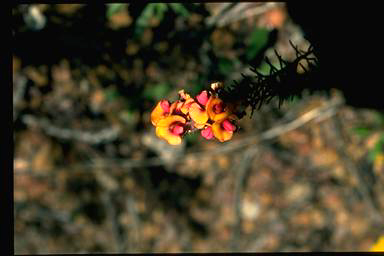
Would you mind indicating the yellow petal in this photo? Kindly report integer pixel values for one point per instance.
(198, 114)
(158, 113)
(165, 133)
(199, 126)
(167, 121)
(220, 133)
(186, 105)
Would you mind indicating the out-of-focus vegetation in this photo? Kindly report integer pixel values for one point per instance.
(91, 176)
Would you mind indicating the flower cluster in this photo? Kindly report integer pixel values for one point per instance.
(206, 112)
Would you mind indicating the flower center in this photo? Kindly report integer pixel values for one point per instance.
(218, 108)
(176, 129)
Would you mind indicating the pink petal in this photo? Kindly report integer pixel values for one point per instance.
(228, 126)
(207, 133)
(165, 105)
(202, 98)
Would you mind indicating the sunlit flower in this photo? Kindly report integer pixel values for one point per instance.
(205, 112)
(216, 109)
(223, 129)
(171, 129)
(161, 110)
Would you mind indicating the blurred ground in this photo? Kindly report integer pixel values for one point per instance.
(91, 176)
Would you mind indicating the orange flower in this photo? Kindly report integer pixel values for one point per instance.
(198, 114)
(161, 110)
(223, 129)
(171, 129)
(216, 109)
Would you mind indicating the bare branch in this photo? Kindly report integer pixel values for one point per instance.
(105, 135)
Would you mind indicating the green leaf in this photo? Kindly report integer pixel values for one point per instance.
(147, 13)
(113, 9)
(362, 131)
(259, 39)
(179, 9)
(157, 92)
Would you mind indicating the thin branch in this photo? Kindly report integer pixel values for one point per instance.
(104, 135)
(112, 218)
(242, 171)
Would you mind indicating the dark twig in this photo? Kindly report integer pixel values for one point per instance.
(283, 82)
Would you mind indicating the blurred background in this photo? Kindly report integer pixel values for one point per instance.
(91, 176)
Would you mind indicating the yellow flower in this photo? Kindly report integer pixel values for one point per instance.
(216, 109)
(171, 129)
(161, 110)
(379, 245)
(223, 129)
(198, 114)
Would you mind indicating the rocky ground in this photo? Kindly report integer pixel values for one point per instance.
(91, 176)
